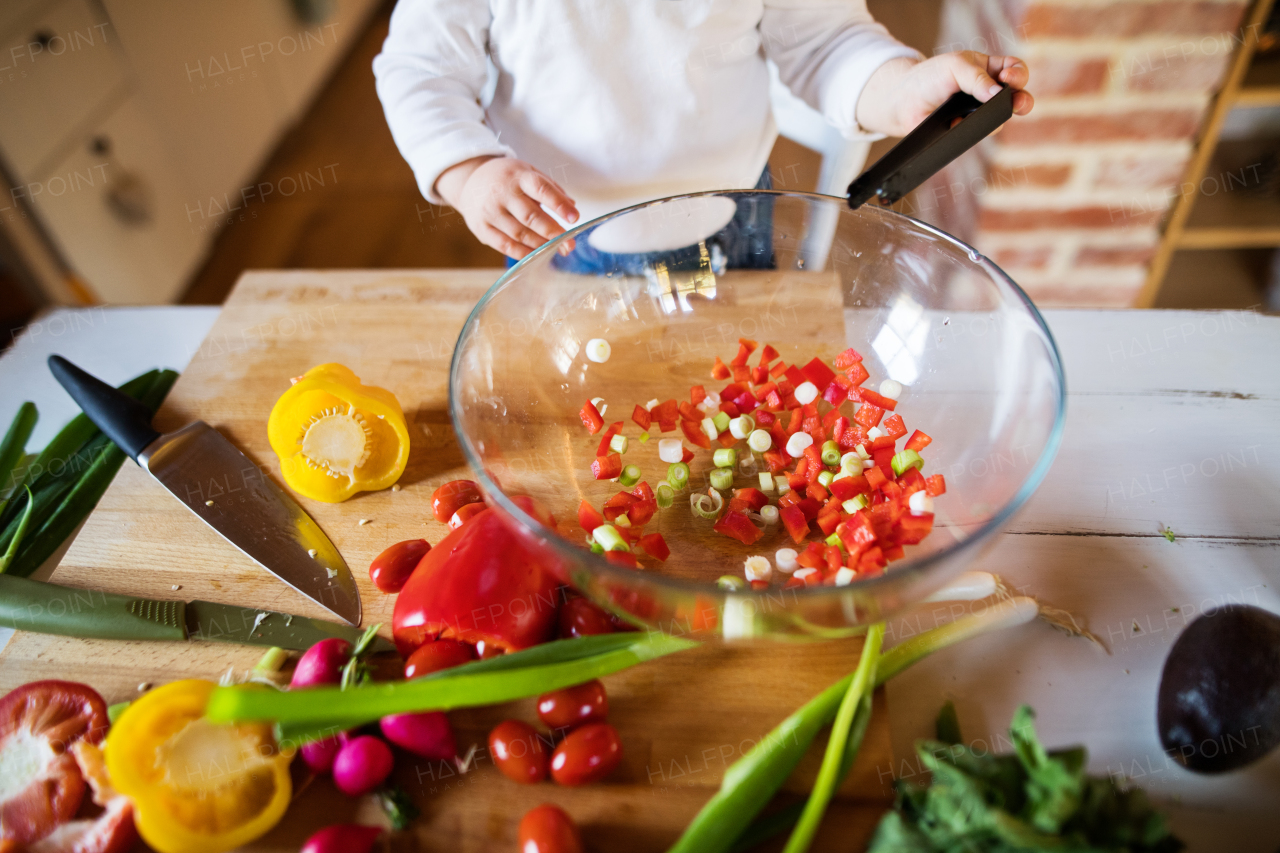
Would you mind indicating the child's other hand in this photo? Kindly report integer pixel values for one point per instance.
(902, 92)
(499, 198)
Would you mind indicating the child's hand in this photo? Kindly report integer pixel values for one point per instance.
(902, 92)
(499, 198)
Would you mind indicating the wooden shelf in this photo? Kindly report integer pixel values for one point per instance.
(1209, 279)
(1261, 85)
(1233, 208)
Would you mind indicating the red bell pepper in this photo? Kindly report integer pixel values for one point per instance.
(688, 412)
(866, 395)
(745, 348)
(828, 522)
(644, 492)
(591, 418)
(614, 429)
(641, 512)
(697, 394)
(893, 427)
(883, 457)
(875, 477)
(694, 432)
(39, 721)
(622, 558)
(655, 546)
(730, 408)
(618, 505)
(833, 558)
(737, 526)
(754, 498)
(641, 416)
(483, 583)
(918, 441)
(935, 485)
(868, 415)
(817, 372)
(776, 460)
(850, 487)
(857, 375)
(742, 374)
(912, 529)
(778, 369)
(667, 414)
(719, 370)
(606, 467)
(810, 507)
(686, 455)
(847, 359)
(794, 521)
(588, 518)
(884, 442)
(911, 481)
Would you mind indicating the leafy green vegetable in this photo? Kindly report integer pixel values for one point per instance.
(1167, 533)
(948, 725)
(12, 446)
(16, 542)
(1030, 800)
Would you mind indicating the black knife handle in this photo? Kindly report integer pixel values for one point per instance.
(933, 144)
(126, 421)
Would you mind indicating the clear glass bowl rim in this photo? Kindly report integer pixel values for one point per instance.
(916, 566)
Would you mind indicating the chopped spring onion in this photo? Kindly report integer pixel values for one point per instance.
(741, 426)
(851, 463)
(757, 519)
(664, 495)
(825, 478)
(722, 478)
(598, 350)
(833, 539)
(618, 444)
(709, 427)
(844, 576)
(608, 538)
(670, 449)
(868, 463)
(920, 503)
(597, 548)
(759, 441)
(904, 460)
(786, 559)
(649, 405)
(629, 476)
(599, 403)
(623, 522)
(747, 464)
(757, 568)
(781, 483)
(705, 505)
(830, 453)
(861, 450)
(766, 482)
(841, 474)
(874, 433)
(891, 389)
(730, 583)
(721, 420)
(769, 513)
(712, 398)
(644, 437)
(854, 503)
(797, 444)
(678, 475)
(724, 457)
(804, 574)
(806, 393)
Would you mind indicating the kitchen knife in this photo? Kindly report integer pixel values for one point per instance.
(47, 608)
(225, 489)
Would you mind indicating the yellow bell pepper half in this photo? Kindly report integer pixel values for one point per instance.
(336, 436)
(196, 787)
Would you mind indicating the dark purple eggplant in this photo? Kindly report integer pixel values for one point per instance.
(1219, 697)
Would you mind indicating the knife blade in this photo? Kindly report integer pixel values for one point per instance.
(48, 608)
(224, 489)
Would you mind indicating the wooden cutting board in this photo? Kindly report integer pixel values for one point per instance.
(683, 719)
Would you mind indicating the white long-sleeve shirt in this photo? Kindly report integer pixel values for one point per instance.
(619, 101)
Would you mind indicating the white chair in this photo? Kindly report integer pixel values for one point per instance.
(842, 161)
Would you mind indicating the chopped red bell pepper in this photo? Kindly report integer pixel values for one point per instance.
(591, 417)
(622, 558)
(764, 419)
(883, 457)
(893, 427)
(641, 512)
(918, 441)
(816, 490)
(868, 415)
(719, 370)
(732, 391)
(588, 517)
(776, 460)
(655, 546)
(817, 372)
(833, 558)
(694, 432)
(847, 359)
(935, 485)
(644, 493)
(893, 552)
(745, 348)
(810, 507)
(795, 376)
(742, 374)
(827, 523)
(618, 505)
(912, 529)
(850, 487)
(737, 526)
(884, 442)
(857, 533)
(767, 354)
(614, 429)
(688, 412)
(697, 394)
(778, 369)
(606, 467)
(686, 455)
(794, 521)
(730, 408)
(911, 481)
(759, 375)
(667, 413)
(726, 439)
(875, 477)
(641, 416)
(866, 395)
(752, 497)
(857, 375)
(835, 395)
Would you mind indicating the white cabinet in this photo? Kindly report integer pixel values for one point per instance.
(191, 98)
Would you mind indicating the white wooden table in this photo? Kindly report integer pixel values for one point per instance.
(1171, 423)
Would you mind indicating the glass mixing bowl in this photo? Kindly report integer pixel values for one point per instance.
(670, 289)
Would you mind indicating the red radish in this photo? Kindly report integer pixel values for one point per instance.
(322, 663)
(362, 765)
(426, 733)
(320, 754)
(343, 838)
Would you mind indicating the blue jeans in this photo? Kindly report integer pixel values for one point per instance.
(746, 242)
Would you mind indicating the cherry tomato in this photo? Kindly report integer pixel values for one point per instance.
(587, 755)
(548, 829)
(437, 655)
(390, 570)
(574, 706)
(517, 749)
(452, 496)
(465, 514)
(38, 723)
(579, 617)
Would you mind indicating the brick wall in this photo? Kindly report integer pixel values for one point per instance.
(1069, 200)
